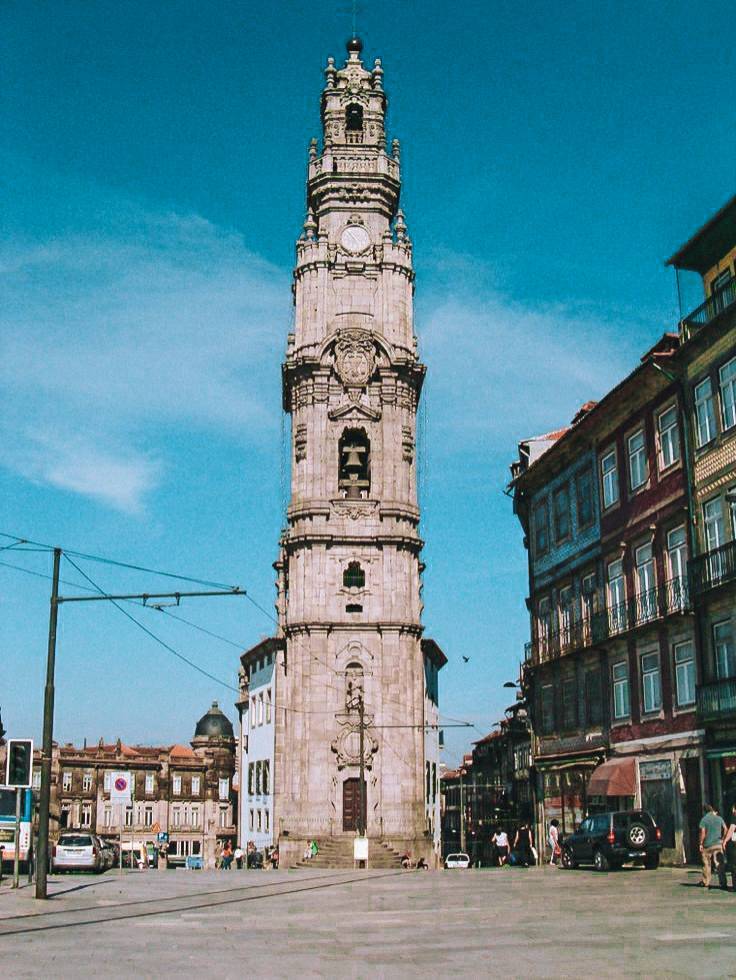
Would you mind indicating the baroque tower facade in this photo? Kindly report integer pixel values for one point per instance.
(350, 657)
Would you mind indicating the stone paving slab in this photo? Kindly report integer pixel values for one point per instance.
(538, 922)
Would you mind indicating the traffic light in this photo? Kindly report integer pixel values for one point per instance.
(19, 766)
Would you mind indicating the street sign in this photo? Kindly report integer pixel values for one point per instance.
(120, 787)
(360, 849)
(19, 763)
(162, 837)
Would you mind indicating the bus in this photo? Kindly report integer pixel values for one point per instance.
(7, 827)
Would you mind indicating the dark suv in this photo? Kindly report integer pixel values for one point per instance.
(608, 840)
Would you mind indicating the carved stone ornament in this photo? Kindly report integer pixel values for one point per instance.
(355, 510)
(347, 746)
(355, 357)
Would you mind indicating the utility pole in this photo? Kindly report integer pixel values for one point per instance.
(361, 797)
(42, 858)
(462, 811)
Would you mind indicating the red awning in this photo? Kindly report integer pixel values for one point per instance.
(617, 777)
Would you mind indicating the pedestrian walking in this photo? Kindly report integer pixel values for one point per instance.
(554, 842)
(729, 847)
(501, 840)
(523, 845)
(307, 856)
(275, 859)
(712, 832)
(227, 856)
(238, 855)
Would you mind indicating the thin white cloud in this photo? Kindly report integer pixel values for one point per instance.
(163, 320)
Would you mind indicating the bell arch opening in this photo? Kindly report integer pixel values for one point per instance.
(354, 451)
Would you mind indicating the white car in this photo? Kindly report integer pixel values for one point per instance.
(457, 861)
(77, 851)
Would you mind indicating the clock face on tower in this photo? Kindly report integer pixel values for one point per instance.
(355, 239)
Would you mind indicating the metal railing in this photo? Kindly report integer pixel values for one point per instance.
(714, 568)
(667, 599)
(716, 699)
(718, 301)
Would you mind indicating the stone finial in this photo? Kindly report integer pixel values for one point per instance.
(400, 226)
(330, 72)
(396, 150)
(313, 148)
(310, 226)
(378, 74)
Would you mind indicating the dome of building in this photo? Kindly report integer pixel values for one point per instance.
(215, 724)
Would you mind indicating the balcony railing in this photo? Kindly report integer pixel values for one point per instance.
(717, 699)
(667, 599)
(714, 568)
(718, 301)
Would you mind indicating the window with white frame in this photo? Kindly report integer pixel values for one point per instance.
(677, 568)
(251, 820)
(129, 816)
(566, 613)
(259, 770)
(149, 783)
(259, 819)
(620, 681)
(651, 682)
(176, 785)
(148, 816)
(223, 817)
(37, 779)
(732, 507)
(616, 596)
(266, 777)
(646, 597)
(107, 816)
(684, 673)
(224, 788)
(266, 820)
(106, 781)
(268, 705)
(196, 816)
(66, 782)
(195, 785)
(723, 647)
(727, 376)
(669, 438)
(260, 709)
(251, 777)
(714, 538)
(86, 782)
(609, 479)
(176, 816)
(252, 712)
(544, 625)
(705, 416)
(86, 820)
(637, 460)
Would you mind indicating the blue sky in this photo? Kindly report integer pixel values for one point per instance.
(153, 158)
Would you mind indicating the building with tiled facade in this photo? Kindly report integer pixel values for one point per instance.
(631, 591)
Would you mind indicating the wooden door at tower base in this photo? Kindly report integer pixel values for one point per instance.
(351, 804)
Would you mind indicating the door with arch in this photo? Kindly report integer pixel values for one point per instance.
(351, 804)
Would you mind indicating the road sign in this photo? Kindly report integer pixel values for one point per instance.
(19, 763)
(162, 837)
(120, 787)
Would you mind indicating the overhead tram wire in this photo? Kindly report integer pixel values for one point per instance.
(120, 564)
(153, 636)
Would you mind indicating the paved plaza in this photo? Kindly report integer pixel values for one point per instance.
(527, 923)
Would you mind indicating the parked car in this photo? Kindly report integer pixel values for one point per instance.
(609, 840)
(78, 850)
(457, 861)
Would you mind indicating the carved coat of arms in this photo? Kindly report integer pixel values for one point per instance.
(355, 357)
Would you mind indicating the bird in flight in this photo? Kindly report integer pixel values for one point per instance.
(466, 659)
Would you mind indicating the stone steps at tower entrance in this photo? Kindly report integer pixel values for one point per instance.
(337, 852)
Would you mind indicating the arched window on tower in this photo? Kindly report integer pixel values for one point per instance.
(353, 685)
(353, 577)
(354, 451)
(354, 123)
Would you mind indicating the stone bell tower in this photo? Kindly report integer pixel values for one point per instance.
(349, 570)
